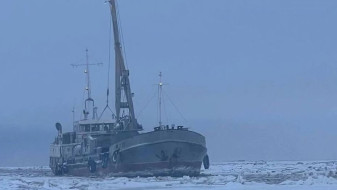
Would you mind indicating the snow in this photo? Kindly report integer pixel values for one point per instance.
(240, 175)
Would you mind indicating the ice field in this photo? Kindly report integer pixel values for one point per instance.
(240, 175)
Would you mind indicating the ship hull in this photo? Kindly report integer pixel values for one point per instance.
(173, 158)
(157, 153)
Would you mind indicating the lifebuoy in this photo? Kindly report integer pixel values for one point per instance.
(205, 161)
(92, 166)
(115, 156)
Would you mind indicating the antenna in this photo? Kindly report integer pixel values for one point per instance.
(88, 87)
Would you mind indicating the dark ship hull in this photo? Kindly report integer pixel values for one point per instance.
(157, 153)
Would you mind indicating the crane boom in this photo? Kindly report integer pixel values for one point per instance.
(122, 82)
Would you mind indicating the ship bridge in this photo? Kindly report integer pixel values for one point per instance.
(89, 126)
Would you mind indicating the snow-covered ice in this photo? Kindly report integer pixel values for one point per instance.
(239, 175)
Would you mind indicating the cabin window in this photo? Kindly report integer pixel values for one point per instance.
(95, 128)
(66, 138)
(104, 128)
(87, 128)
(111, 127)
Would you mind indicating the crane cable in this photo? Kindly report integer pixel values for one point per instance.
(108, 83)
(181, 115)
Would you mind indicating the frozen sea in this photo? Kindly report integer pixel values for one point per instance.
(239, 175)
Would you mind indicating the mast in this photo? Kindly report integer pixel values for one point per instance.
(88, 88)
(122, 82)
(160, 89)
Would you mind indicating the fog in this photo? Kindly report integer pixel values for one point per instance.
(257, 78)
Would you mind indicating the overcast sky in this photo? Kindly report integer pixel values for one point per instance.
(257, 78)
